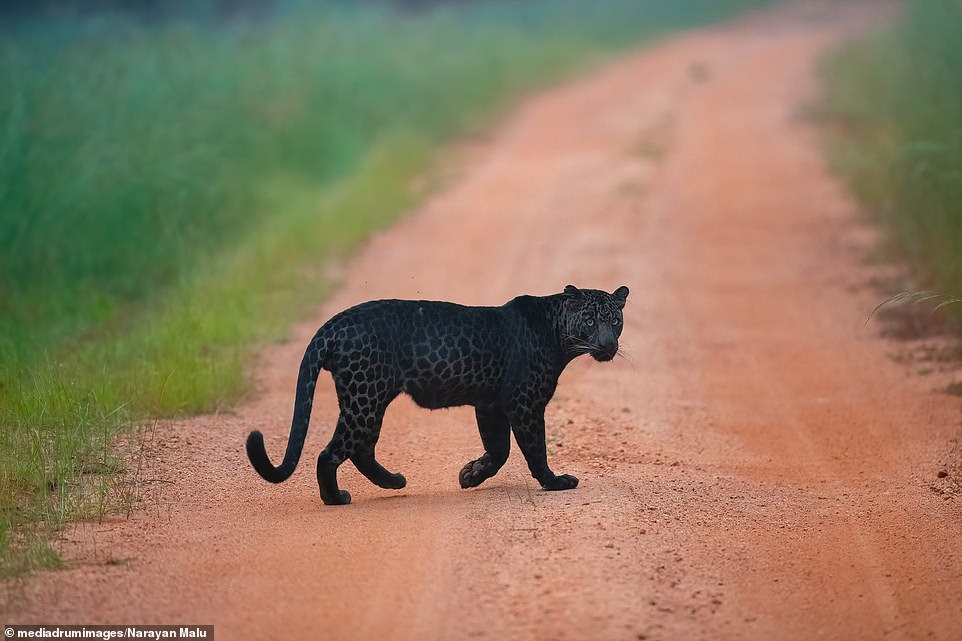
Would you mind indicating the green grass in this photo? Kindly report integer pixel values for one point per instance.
(171, 196)
(895, 101)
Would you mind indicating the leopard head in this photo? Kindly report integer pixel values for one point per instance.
(592, 321)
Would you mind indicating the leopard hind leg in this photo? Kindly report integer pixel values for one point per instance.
(358, 429)
(375, 472)
(368, 430)
(496, 437)
(337, 451)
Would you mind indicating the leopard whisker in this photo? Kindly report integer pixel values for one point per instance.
(582, 347)
(626, 356)
(577, 346)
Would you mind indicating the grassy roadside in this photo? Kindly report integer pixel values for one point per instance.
(894, 103)
(170, 196)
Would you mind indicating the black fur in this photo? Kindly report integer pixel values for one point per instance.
(505, 361)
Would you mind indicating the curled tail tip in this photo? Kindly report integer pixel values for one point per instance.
(306, 378)
(257, 454)
(255, 446)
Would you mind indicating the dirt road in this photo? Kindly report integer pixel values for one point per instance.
(759, 468)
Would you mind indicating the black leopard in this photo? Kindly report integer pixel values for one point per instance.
(505, 361)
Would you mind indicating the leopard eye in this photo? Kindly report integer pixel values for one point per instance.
(590, 322)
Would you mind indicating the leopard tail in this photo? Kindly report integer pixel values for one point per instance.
(311, 364)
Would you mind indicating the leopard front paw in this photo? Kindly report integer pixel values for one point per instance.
(563, 482)
(474, 473)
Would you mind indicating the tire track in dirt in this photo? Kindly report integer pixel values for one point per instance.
(759, 468)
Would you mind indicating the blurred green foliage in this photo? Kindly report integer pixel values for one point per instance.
(895, 99)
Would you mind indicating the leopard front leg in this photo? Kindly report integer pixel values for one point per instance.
(528, 427)
(496, 438)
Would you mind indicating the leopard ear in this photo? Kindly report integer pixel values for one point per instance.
(621, 296)
(572, 291)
